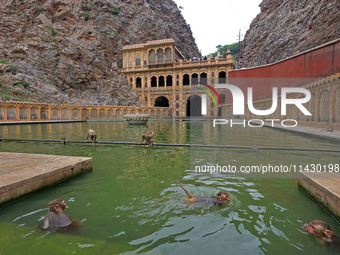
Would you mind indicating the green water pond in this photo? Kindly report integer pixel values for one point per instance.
(131, 202)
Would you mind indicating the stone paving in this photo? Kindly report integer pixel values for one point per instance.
(22, 173)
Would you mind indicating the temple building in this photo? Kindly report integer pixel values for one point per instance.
(162, 76)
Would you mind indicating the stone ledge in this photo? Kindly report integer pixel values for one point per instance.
(324, 188)
(22, 173)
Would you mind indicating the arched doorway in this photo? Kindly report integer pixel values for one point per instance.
(203, 78)
(169, 81)
(186, 79)
(194, 79)
(138, 83)
(153, 81)
(194, 104)
(222, 96)
(219, 112)
(222, 77)
(161, 82)
(161, 102)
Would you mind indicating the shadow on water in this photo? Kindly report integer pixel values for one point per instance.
(131, 202)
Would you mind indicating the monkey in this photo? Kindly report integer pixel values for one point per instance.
(220, 198)
(62, 139)
(328, 128)
(322, 231)
(92, 135)
(56, 219)
(148, 137)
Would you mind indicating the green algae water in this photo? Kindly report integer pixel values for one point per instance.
(131, 202)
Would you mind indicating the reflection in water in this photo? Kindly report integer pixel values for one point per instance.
(131, 202)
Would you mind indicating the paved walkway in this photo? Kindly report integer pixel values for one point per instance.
(22, 173)
(37, 121)
(324, 188)
(310, 130)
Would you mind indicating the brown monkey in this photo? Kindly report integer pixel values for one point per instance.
(321, 230)
(148, 137)
(92, 135)
(220, 198)
(56, 219)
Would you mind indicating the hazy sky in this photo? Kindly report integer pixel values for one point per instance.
(215, 22)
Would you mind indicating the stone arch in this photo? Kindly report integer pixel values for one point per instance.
(11, 113)
(169, 114)
(219, 111)
(1, 113)
(312, 107)
(125, 112)
(55, 114)
(43, 113)
(337, 106)
(85, 114)
(75, 114)
(153, 81)
(132, 111)
(203, 78)
(168, 55)
(65, 114)
(93, 114)
(137, 60)
(186, 79)
(324, 106)
(160, 58)
(23, 113)
(222, 77)
(194, 79)
(138, 83)
(161, 102)
(161, 82)
(169, 81)
(118, 114)
(194, 104)
(102, 114)
(158, 114)
(152, 56)
(152, 114)
(110, 114)
(34, 113)
(222, 96)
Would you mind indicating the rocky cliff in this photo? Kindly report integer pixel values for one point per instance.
(287, 27)
(67, 51)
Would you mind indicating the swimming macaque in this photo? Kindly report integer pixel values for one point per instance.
(328, 128)
(56, 219)
(220, 198)
(148, 136)
(321, 230)
(92, 135)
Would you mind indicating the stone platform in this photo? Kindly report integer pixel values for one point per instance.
(22, 173)
(324, 188)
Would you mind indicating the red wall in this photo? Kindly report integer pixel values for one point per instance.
(296, 71)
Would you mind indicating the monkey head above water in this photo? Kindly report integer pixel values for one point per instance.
(220, 198)
(92, 135)
(321, 230)
(56, 219)
(148, 137)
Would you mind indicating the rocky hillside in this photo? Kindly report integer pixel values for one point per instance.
(287, 27)
(67, 51)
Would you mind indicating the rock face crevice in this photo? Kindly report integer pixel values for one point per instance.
(68, 51)
(287, 27)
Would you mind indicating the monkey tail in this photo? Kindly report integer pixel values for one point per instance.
(189, 195)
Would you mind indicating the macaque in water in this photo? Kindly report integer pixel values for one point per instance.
(321, 230)
(92, 135)
(148, 137)
(56, 219)
(220, 198)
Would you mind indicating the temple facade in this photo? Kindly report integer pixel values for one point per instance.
(163, 77)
